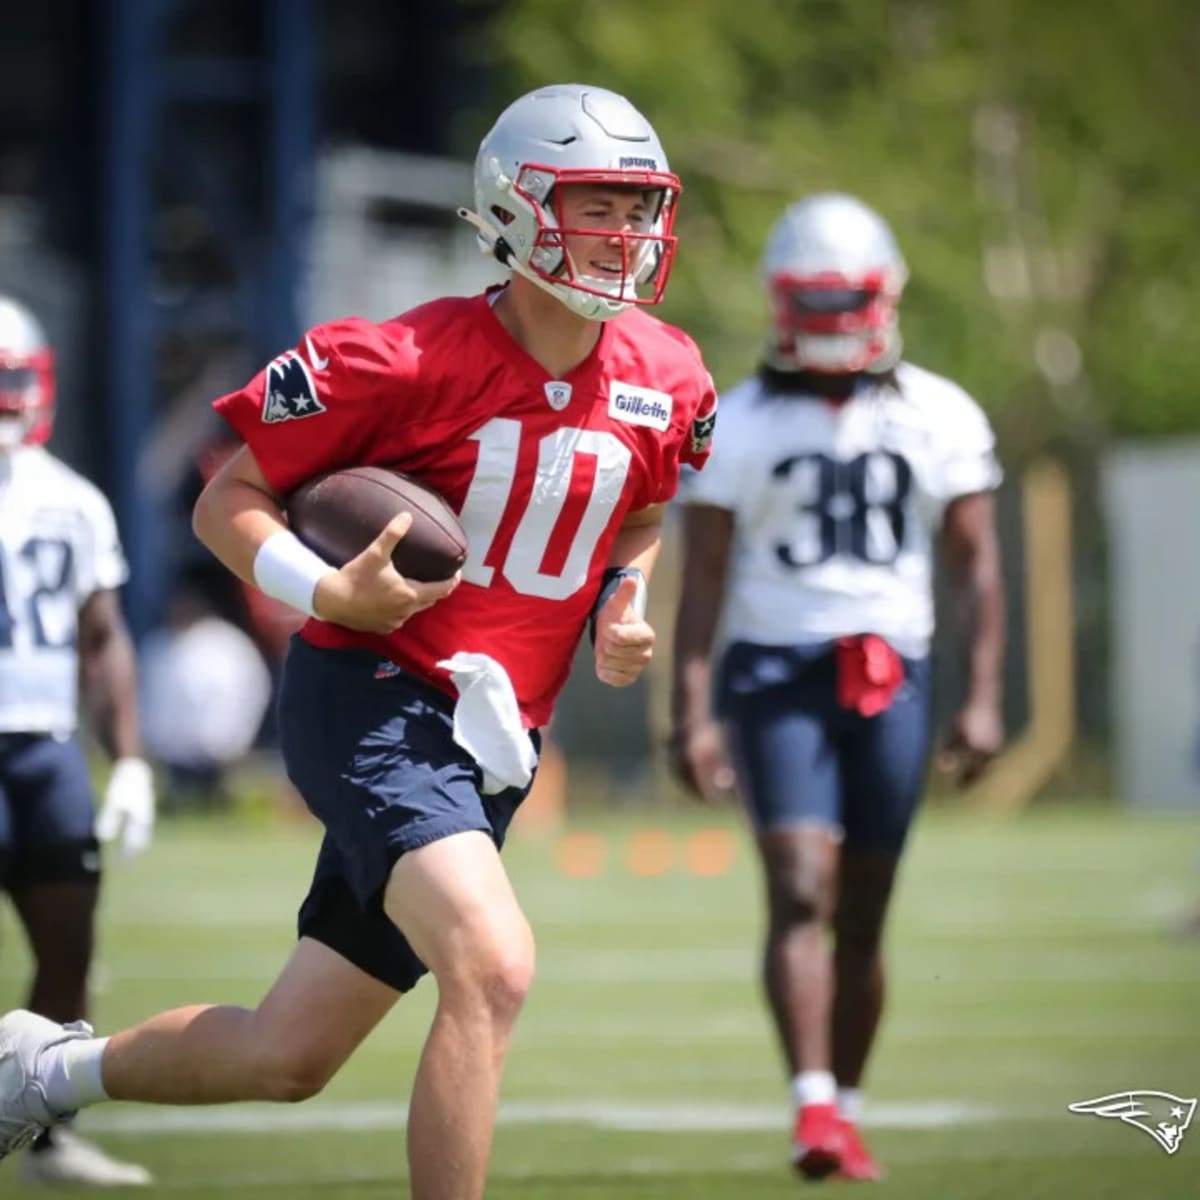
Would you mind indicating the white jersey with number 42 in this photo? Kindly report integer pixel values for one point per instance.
(58, 546)
(837, 507)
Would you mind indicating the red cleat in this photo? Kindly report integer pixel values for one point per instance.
(857, 1162)
(819, 1142)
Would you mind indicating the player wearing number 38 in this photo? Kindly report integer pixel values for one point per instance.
(554, 414)
(810, 541)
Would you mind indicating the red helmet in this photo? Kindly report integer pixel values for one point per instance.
(26, 378)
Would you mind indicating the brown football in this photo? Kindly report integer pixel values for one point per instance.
(339, 514)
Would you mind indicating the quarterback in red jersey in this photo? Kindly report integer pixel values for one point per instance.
(554, 414)
(446, 394)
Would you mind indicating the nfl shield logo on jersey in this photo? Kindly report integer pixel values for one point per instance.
(289, 392)
(558, 395)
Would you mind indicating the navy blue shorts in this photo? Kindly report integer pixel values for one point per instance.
(371, 750)
(47, 811)
(803, 759)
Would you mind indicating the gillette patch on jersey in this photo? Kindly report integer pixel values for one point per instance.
(289, 392)
(639, 405)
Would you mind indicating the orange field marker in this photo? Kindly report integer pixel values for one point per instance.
(582, 855)
(710, 852)
(651, 853)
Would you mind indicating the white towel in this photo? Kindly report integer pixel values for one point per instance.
(487, 721)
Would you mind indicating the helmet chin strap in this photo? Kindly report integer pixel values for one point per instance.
(495, 245)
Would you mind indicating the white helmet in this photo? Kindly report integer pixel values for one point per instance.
(569, 134)
(834, 276)
(26, 378)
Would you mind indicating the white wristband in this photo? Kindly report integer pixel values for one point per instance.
(286, 569)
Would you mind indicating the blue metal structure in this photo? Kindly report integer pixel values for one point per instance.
(265, 101)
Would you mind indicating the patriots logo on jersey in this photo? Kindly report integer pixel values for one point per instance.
(289, 392)
(702, 431)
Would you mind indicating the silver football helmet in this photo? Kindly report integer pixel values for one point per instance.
(834, 276)
(26, 378)
(568, 134)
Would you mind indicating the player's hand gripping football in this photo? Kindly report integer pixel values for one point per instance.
(698, 762)
(369, 594)
(624, 641)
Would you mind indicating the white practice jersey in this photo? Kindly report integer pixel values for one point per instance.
(58, 546)
(837, 507)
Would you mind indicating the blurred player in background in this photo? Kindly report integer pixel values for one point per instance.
(810, 541)
(205, 689)
(61, 633)
(554, 415)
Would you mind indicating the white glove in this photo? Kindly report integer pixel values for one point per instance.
(128, 806)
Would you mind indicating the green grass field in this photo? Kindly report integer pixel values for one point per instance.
(1030, 969)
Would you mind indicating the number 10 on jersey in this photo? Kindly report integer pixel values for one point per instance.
(558, 458)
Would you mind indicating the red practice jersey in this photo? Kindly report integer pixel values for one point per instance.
(541, 471)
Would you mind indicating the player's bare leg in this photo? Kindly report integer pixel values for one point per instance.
(58, 920)
(800, 867)
(454, 903)
(315, 1015)
(864, 889)
(287, 1048)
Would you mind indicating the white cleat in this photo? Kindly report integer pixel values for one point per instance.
(24, 1112)
(69, 1160)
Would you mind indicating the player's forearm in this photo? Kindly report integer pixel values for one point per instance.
(972, 554)
(108, 670)
(695, 629)
(638, 542)
(233, 518)
(708, 539)
(983, 599)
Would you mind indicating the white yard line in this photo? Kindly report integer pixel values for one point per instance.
(665, 1117)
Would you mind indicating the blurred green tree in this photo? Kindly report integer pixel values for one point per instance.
(1039, 162)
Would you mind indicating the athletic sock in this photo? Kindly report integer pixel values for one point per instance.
(70, 1074)
(813, 1087)
(850, 1104)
